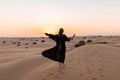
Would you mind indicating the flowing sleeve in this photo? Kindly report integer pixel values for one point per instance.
(53, 37)
(66, 38)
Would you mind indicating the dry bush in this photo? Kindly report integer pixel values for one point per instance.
(26, 47)
(14, 42)
(18, 45)
(89, 41)
(36, 40)
(80, 43)
(84, 37)
(4, 42)
(26, 43)
(34, 43)
(19, 42)
(42, 40)
(101, 42)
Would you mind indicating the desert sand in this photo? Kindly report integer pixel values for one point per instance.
(21, 59)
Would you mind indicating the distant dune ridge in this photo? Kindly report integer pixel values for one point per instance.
(97, 59)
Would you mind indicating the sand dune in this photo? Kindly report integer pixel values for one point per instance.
(19, 70)
(89, 62)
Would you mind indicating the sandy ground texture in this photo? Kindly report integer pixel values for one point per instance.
(98, 59)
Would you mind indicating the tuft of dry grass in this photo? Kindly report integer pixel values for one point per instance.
(42, 40)
(80, 43)
(89, 41)
(4, 42)
(34, 43)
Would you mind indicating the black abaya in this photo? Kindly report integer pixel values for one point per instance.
(57, 53)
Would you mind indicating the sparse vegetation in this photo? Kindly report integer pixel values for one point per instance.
(89, 41)
(101, 42)
(18, 45)
(42, 40)
(14, 42)
(26, 43)
(42, 37)
(18, 42)
(99, 36)
(84, 37)
(36, 40)
(80, 43)
(26, 47)
(4, 42)
(34, 43)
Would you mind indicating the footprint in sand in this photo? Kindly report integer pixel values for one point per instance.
(71, 64)
(87, 67)
(72, 58)
(81, 74)
(78, 62)
(86, 55)
(102, 75)
(43, 79)
(100, 70)
(56, 76)
(51, 74)
(70, 67)
(70, 61)
(94, 79)
(102, 66)
(103, 59)
(48, 75)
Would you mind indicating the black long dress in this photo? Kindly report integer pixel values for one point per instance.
(57, 53)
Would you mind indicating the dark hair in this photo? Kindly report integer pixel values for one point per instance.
(61, 30)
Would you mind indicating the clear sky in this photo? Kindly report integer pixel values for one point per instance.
(82, 17)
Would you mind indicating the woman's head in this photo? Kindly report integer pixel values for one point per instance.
(61, 31)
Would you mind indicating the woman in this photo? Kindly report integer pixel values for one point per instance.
(57, 53)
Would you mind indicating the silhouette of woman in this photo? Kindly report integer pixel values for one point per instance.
(57, 53)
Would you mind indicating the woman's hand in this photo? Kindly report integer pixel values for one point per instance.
(73, 37)
(46, 34)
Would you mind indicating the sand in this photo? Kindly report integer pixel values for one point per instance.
(21, 59)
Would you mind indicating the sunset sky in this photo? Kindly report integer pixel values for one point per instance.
(82, 17)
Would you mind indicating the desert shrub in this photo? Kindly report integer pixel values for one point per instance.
(99, 36)
(26, 43)
(26, 47)
(34, 43)
(36, 40)
(18, 42)
(84, 37)
(42, 40)
(80, 43)
(18, 45)
(42, 37)
(14, 42)
(105, 42)
(4, 42)
(102, 42)
(89, 41)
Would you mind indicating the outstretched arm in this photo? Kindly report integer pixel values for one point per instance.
(69, 38)
(47, 34)
(51, 36)
(72, 37)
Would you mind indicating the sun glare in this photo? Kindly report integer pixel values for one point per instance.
(50, 29)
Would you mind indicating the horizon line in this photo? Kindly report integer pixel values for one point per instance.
(46, 36)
